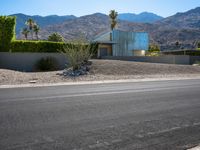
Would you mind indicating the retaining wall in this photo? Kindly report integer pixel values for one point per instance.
(168, 59)
(27, 61)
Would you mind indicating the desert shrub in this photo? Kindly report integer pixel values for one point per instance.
(7, 32)
(78, 52)
(154, 50)
(47, 64)
(55, 37)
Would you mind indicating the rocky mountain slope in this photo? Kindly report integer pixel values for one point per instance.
(41, 21)
(183, 28)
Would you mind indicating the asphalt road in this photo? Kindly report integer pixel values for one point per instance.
(123, 116)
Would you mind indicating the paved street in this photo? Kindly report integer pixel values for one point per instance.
(159, 115)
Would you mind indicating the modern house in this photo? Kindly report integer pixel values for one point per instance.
(121, 43)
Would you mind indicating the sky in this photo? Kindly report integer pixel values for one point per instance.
(163, 8)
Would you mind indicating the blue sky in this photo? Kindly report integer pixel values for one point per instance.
(83, 7)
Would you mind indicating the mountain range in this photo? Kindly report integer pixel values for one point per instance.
(183, 28)
(144, 17)
(41, 21)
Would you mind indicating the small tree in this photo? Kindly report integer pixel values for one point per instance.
(55, 37)
(36, 30)
(25, 32)
(78, 52)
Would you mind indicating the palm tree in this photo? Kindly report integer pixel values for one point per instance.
(30, 23)
(25, 32)
(113, 16)
(36, 29)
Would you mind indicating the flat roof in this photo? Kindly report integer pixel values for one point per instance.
(106, 42)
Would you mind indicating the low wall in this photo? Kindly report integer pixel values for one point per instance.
(168, 59)
(27, 61)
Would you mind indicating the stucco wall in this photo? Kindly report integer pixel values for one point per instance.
(27, 61)
(168, 59)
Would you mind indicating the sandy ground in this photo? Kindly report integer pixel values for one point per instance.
(104, 70)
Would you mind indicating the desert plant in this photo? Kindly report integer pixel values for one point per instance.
(55, 37)
(25, 32)
(78, 52)
(154, 50)
(47, 64)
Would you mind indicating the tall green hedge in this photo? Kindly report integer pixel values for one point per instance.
(7, 32)
(42, 46)
(36, 46)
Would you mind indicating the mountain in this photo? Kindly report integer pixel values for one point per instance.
(181, 27)
(186, 20)
(41, 21)
(144, 17)
(89, 26)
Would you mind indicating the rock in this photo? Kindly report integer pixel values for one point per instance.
(32, 81)
(84, 70)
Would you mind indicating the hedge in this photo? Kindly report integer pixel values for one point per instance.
(7, 32)
(41, 46)
(36, 46)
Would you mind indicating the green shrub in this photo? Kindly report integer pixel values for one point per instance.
(47, 64)
(43, 46)
(154, 48)
(36, 46)
(56, 37)
(7, 32)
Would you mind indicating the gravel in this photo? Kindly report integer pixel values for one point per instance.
(103, 70)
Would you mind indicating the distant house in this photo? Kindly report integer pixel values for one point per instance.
(121, 43)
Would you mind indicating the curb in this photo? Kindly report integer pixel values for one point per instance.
(94, 82)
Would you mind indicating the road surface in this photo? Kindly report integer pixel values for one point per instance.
(122, 116)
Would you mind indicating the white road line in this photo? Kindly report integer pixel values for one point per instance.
(97, 94)
(97, 82)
